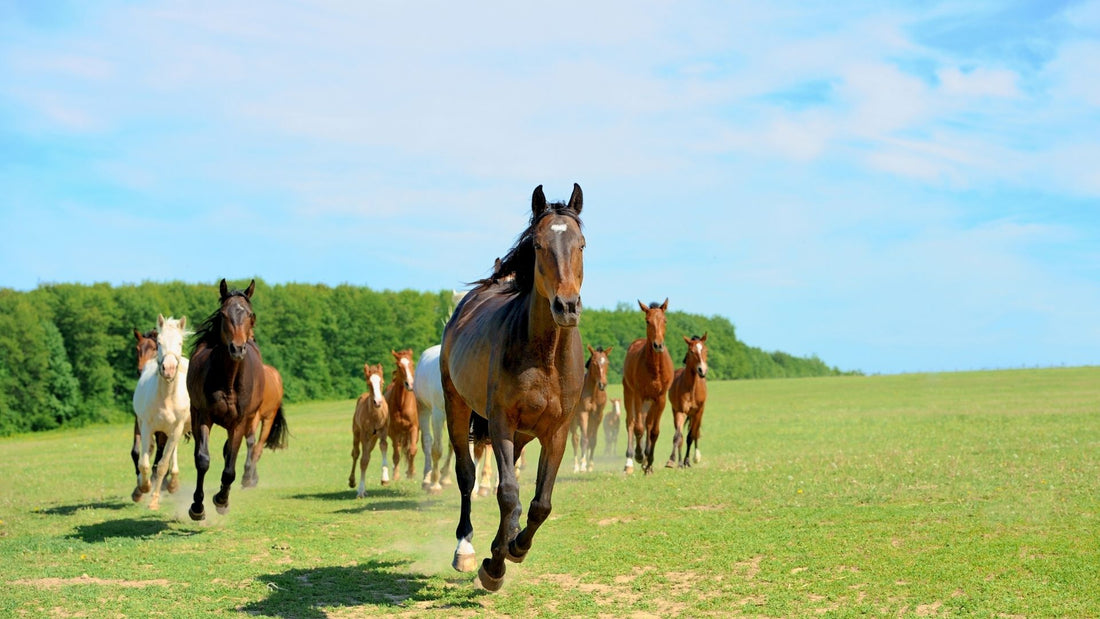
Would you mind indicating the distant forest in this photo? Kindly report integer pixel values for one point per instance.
(67, 355)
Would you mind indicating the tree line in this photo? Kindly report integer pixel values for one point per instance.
(67, 355)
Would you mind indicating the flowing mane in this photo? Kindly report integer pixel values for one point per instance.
(208, 333)
(516, 270)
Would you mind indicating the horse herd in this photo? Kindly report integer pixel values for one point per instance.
(511, 369)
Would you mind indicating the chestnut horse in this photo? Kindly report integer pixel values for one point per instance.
(647, 375)
(512, 366)
(589, 412)
(269, 426)
(611, 423)
(161, 405)
(688, 396)
(368, 426)
(146, 347)
(226, 383)
(404, 426)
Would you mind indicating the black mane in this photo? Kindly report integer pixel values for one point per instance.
(209, 333)
(517, 269)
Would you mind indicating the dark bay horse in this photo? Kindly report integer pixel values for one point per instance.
(403, 429)
(226, 383)
(589, 412)
(512, 365)
(647, 375)
(688, 396)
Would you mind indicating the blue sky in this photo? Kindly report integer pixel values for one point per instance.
(894, 187)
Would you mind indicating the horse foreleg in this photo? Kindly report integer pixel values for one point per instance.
(458, 431)
(491, 573)
(424, 414)
(354, 458)
(653, 423)
(694, 429)
(144, 467)
(549, 462)
(383, 438)
(249, 443)
(595, 420)
(575, 440)
(641, 418)
(678, 418)
(202, 465)
(231, 449)
(411, 444)
(368, 447)
(162, 470)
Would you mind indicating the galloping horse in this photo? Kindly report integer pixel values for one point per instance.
(647, 374)
(226, 384)
(611, 426)
(432, 412)
(688, 395)
(368, 426)
(589, 412)
(404, 422)
(146, 351)
(512, 365)
(161, 405)
(269, 426)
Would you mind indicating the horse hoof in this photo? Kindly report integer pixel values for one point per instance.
(146, 486)
(136, 496)
(222, 509)
(385, 482)
(464, 562)
(436, 489)
(173, 486)
(512, 556)
(154, 505)
(487, 582)
(196, 515)
(671, 464)
(483, 491)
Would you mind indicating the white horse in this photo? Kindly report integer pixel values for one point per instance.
(161, 404)
(433, 436)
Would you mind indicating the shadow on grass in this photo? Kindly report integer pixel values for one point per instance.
(308, 592)
(69, 510)
(367, 505)
(132, 528)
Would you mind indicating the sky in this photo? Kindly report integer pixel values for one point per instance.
(893, 187)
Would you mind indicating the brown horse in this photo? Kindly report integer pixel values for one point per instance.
(146, 351)
(404, 427)
(512, 365)
(372, 415)
(688, 395)
(589, 412)
(269, 426)
(611, 426)
(647, 374)
(226, 384)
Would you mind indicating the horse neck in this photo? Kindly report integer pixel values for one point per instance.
(542, 329)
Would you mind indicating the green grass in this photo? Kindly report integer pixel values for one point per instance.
(971, 494)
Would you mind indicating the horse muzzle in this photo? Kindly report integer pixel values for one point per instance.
(701, 372)
(658, 346)
(566, 310)
(236, 351)
(601, 386)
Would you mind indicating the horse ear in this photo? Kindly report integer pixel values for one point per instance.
(643, 306)
(591, 350)
(137, 335)
(687, 340)
(576, 201)
(251, 288)
(664, 306)
(704, 338)
(538, 201)
(224, 288)
(607, 351)
(183, 322)
(160, 321)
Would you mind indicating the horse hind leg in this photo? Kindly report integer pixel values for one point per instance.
(162, 470)
(677, 441)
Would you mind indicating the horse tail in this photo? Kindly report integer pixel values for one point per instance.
(279, 432)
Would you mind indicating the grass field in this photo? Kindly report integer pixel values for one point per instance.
(970, 494)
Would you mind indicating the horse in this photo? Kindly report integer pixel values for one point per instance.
(146, 347)
(404, 424)
(611, 426)
(428, 389)
(226, 384)
(647, 375)
(512, 366)
(589, 411)
(688, 395)
(368, 426)
(161, 404)
(269, 426)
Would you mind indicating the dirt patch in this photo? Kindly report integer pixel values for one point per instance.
(84, 579)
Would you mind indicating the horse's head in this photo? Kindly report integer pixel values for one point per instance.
(237, 319)
(170, 335)
(405, 367)
(597, 365)
(559, 254)
(146, 347)
(696, 358)
(655, 324)
(375, 381)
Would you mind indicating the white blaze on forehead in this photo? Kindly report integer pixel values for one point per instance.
(603, 361)
(376, 387)
(699, 348)
(559, 228)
